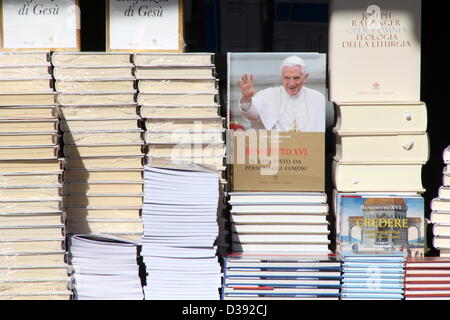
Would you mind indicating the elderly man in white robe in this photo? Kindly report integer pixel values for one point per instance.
(289, 107)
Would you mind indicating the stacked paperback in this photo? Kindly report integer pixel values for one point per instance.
(280, 277)
(427, 279)
(440, 214)
(103, 143)
(178, 96)
(372, 276)
(32, 246)
(291, 222)
(104, 268)
(180, 230)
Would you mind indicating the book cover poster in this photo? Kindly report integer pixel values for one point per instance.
(40, 25)
(276, 121)
(144, 25)
(374, 50)
(383, 224)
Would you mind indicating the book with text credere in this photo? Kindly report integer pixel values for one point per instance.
(374, 50)
(382, 223)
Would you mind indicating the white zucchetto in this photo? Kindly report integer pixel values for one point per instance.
(292, 61)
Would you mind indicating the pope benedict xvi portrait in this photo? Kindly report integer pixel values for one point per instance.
(292, 106)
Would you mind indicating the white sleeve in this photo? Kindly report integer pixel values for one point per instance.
(319, 116)
(250, 110)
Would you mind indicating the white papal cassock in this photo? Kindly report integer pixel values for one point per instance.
(274, 108)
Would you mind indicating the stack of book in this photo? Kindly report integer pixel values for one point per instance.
(380, 147)
(380, 129)
(440, 214)
(32, 248)
(372, 276)
(104, 268)
(178, 96)
(291, 222)
(103, 143)
(381, 138)
(427, 279)
(180, 230)
(279, 277)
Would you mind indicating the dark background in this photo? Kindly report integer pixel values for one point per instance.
(204, 27)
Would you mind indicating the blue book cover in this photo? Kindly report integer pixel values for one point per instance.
(363, 281)
(380, 223)
(351, 264)
(371, 296)
(367, 285)
(374, 270)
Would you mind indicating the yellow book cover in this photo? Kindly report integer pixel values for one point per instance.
(175, 73)
(177, 112)
(104, 163)
(41, 139)
(99, 125)
(94, 86)
(26, 86)
(78, 151)
(89, 138)
(28, 112)
(173, 59)
(92, 73)
(163, 86)
(102, 175)
(83, 59)
(24, 178)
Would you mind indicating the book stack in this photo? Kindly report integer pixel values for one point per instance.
(291, 222)
(103, 143)
(104, 268)
(440, 214)
(180, 229)
(178, 96)
(381, 138)
(380, 129)
(372, 276)
(380, 147)
(32, 248)
(281, 277)
(427, 278)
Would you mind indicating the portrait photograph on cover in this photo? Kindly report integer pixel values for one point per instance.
(283, 91)
(276, 119)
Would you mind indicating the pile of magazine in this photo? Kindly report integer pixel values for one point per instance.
(180, 230)
(105, 268)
